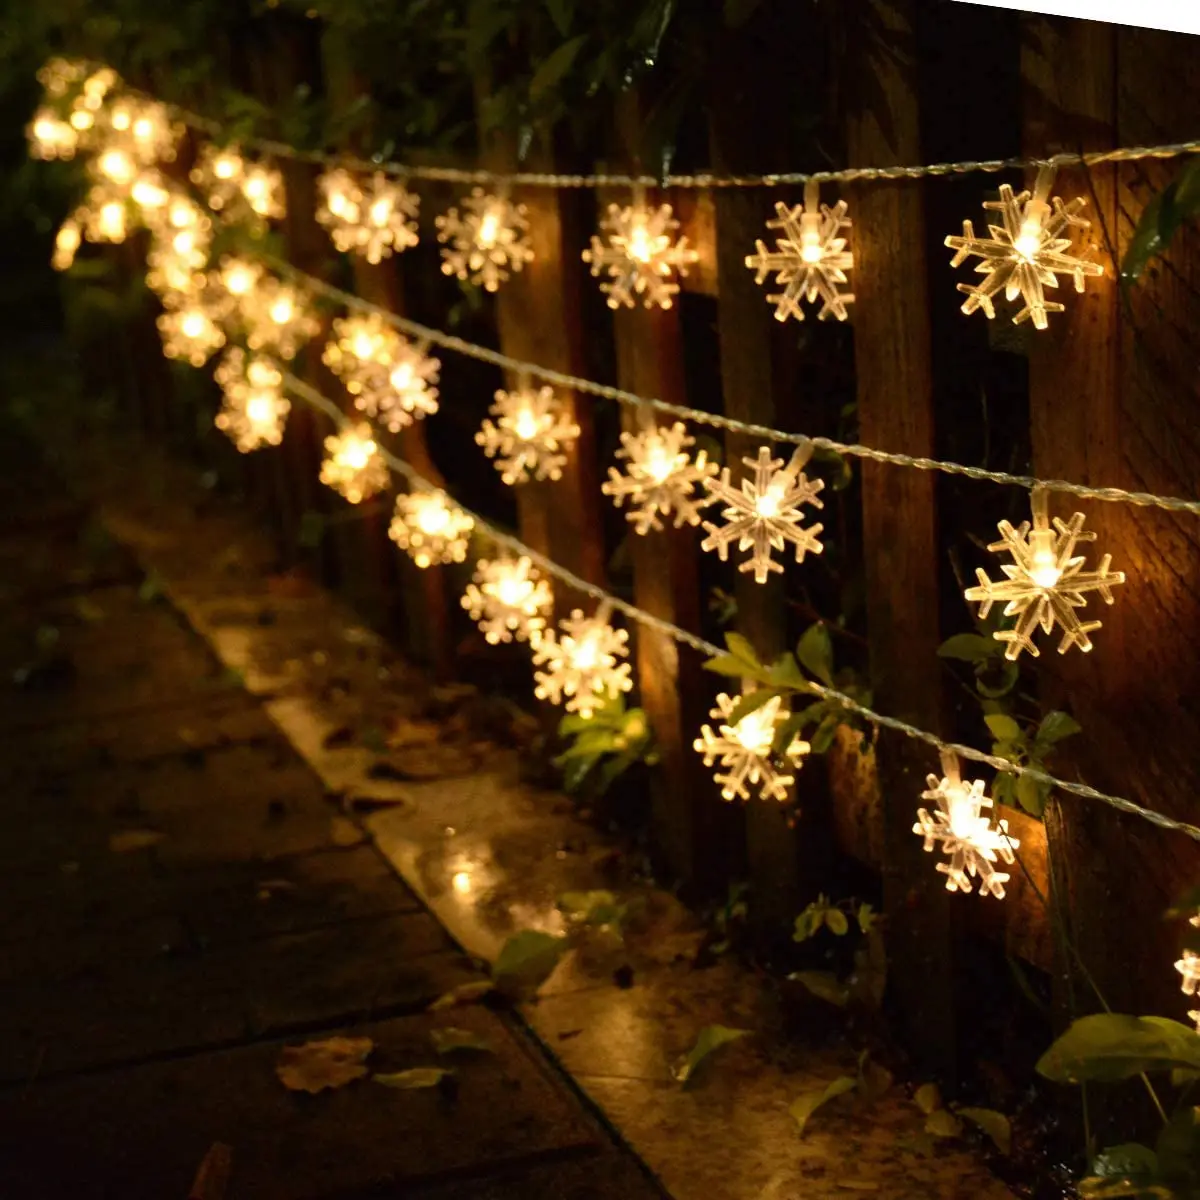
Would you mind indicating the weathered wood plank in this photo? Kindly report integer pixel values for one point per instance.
(892, 354)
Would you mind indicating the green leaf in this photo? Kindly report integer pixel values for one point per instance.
(786, 674)
(825, 985)
(809, 921)
(874, 1079)
(1160, 220)
(837, 922)
(591, 908)
(823, 735)
(465, 993)
(1110, 1046)
(1055, 726)
(866, 917)
(554, 67)
(970, 647)
(413, 1078)
(561, 12)
(803, 1107)
(741, 647)
(1130, 1160)
(1178, 1151)
(738, 668)
(815, 652)
(750, 702)
(528, 957)
(1003, 727)
(452, 1040)
(151, 588)
(941, 1123)
(711, 1038)
(995, 1124)
(1002, 677)
(928, 1098)
(1030, 795)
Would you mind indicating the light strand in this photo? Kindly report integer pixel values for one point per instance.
(315, 399)
(700, 180)
(731, 425)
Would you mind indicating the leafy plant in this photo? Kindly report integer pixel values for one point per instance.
(946, 1121)
(864, 986)
(710, 1039)
(604, 746)
(871, 1082)
(1161, 219)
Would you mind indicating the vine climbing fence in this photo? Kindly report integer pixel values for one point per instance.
(927, 426)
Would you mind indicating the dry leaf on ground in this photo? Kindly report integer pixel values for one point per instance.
(344, 832)
(450, 1040)
(414, 1077)
(465, 993)
(134, 839)
(212, 1179)
(330, 1063)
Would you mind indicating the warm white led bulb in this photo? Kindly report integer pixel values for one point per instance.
(509, 599)
(660, 477)
(580, 665)
(431, 528)
(486, 242)
(353, 465)
(530, 435)
(745, 750)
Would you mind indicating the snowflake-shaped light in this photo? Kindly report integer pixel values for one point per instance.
(277, 318)
(219, 172)
(810, 260)
(1189, 968)
(487, 242)
(66, 244)
(190, 332)
(353, 465)
(581, 663)
(262, 189)
(529, 437)
(1026, 254)
(50, 137)
(962, 825)
(145, 127)
(745, 750)
(151, 193)
(389, 377)
(103, 216)
(254, 408)
(179, 247)
(640, 258)
(508, 599)
(1046, 582)
(765, 514)
(237, 277)
(660, 477)
(374, 219)
(431, 528)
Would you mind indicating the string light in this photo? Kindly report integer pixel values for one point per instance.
(238, 277)
(390, 378)
(745, 750)
(764, 515)
(254, 408)
(353, 465)
(145, 128)
(640, 259)
(962, 826)
(102, 216)
(530, 435)
(1026, 254)
(660, 477)
(430, 528)
(375, 219)
(179, 249)
(66, 244)
(219, 172)
(152, 195)
(581, 663)
(50, 137)
(810, 261)
(1045, 584)
(487, 242)
(191, 333)
(277, 319)
(1189, 968)
(262, 189)
(509, 599)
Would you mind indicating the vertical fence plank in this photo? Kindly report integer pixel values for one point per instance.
(1068, 82)
(892, 357)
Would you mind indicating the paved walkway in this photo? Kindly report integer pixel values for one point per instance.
(181, 900)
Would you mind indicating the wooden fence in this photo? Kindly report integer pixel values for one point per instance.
(1106, 396)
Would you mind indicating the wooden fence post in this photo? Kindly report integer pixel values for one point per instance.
(902, 557)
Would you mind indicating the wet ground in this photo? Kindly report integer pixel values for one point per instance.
(182, 898)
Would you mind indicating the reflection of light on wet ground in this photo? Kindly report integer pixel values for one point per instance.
(461, 882)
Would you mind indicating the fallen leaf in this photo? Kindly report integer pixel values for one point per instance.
(134, 839)
(943, 1124)
(465, 993)
(995, 1124)
(87, 610)
(528, 957)
(927, 1098)
(413, 1078)
(711, 1037)
(343, 832)
(451, 1040)
(331, 1063)
(212, 1178)
(804, 1106)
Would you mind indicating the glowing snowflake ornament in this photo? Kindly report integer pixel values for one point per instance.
(660, 477)
(277, 319)
(745, 750)
(810, 260)
(353, 465)
(487, 242)
(530, 435)
(962, 825)
(190, 332)
(50, 138)
(254, 408)
(1045, 584)
(1026, 254)
(580, 663)
(66, 244)
(375, 218)
(508, 599)
(765, 515)
(430, 528)
(1189, 968)
(219, 172)
(640, 258)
